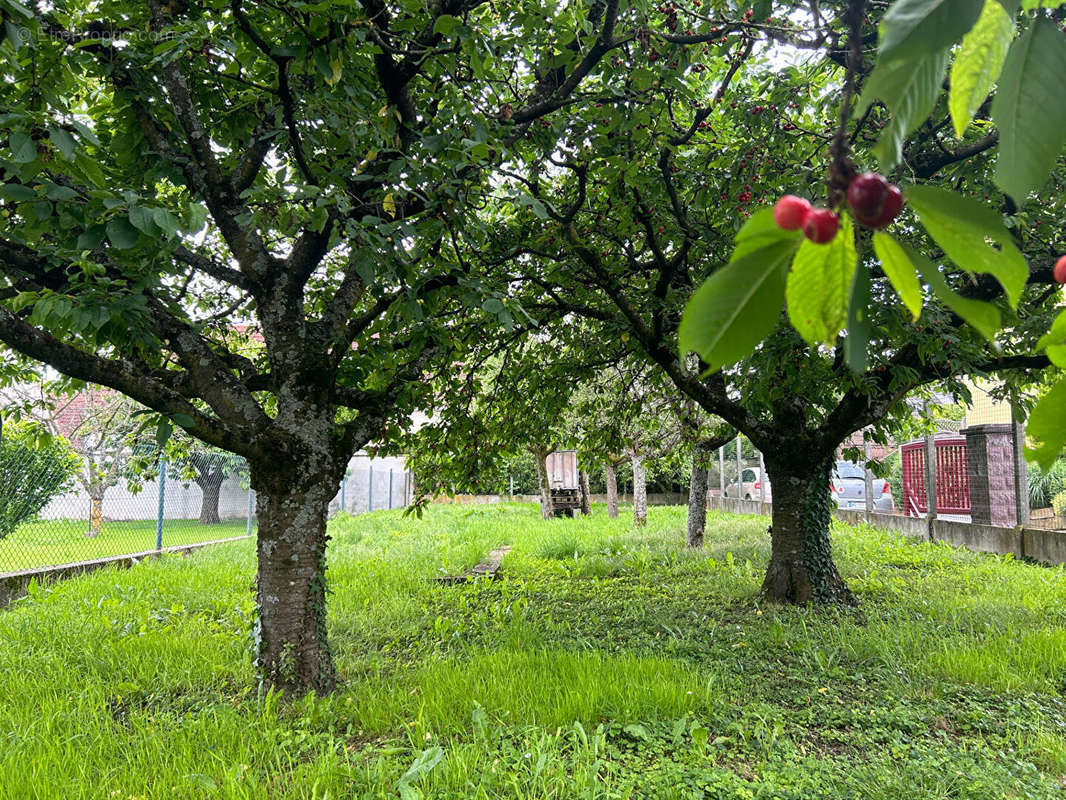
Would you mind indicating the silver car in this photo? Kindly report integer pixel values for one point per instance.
(752, 486)
(848, 487)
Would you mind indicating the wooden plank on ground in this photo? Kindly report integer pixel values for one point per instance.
(489, 568)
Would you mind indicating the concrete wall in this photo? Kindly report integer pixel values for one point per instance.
(1043, 546)
(180, 502)
(15, 584)
(367, 487)
(656, 499)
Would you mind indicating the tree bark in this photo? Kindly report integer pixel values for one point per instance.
(640, 491)
(611, 478)
(801, 568)
(541, 457)
(586, 496)
(293, 651)
(96, 511)
(697, 499)
(210, 486)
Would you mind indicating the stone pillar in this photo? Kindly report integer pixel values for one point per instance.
(990, 464)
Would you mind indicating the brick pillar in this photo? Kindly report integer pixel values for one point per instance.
(990, 463)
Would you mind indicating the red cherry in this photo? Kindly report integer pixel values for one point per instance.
(1060, 269)
(791, 212)
(821, 225)
(889, 210)
(866, 194)
(874, 201)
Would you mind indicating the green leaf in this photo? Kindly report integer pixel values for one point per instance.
(17, 193)
(23, 148)
(121, 233)
(424, 763)
(642, 79)
(62, 141)
(737, 306)
(963, 227)
(900, 271)
(91, 238)
(166, 221)
(1054, 341)
(978, 63)
(53, 191)
(86, 132)
(819, 285)
(984, 317)
(141, 218)
(909, 89)
(1029, 110)
(699, 734)
(445, 24)
(858, 324)
(163, 432)
(761, 231)
(197, 217)
(1045, 426)
(912, 29)
(638, 731)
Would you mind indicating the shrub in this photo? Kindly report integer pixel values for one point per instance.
(1058, 503)
(1045, 484)
(34, 468)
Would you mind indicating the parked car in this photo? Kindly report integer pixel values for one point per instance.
(848, 487)
(751, 489)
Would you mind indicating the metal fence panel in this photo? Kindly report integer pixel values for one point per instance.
(89, 515)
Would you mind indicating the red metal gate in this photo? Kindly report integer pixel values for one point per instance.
(952, 479)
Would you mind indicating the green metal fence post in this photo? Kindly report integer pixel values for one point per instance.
(159, 511)
(370, 491)
(390, 488)
(251, 512)
(344, 486)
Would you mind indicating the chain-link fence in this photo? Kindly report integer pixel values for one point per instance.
(58, 507)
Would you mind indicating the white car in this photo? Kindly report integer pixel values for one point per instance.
(751, 489)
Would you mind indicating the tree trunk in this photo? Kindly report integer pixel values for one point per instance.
(697, 499)
(801, 568)
(586, 496)
(640, 491)
(612, 491)
(546, 509)
(210, 486)
(96, 512)
(293, 651)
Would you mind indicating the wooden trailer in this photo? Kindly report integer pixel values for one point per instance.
(564, 483)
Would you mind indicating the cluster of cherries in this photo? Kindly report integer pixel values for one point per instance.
(873, 200)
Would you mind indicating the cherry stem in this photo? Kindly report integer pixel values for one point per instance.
(841, 168)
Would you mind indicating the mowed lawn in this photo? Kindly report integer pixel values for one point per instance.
(607, 663)
(46, 543)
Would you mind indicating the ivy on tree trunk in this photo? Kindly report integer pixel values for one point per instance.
(801, 568)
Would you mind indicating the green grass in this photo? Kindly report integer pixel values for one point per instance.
(62, 541)
(608, 663)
